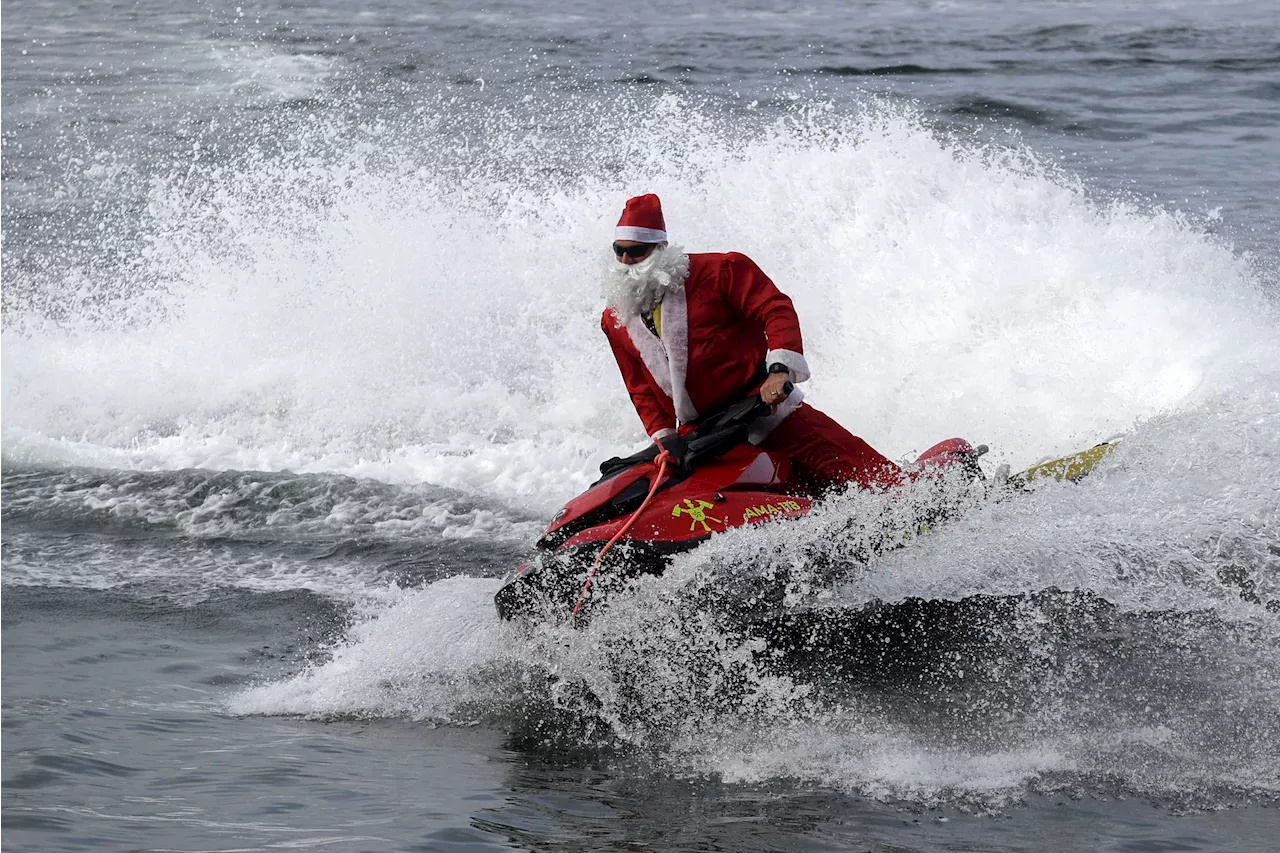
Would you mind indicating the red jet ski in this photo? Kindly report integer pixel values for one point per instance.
(722, 482)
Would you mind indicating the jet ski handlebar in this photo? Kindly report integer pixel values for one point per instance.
(712, 437)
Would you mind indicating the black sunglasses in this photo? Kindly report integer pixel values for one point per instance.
(633, 251)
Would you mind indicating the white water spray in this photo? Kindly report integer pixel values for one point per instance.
(344, 312)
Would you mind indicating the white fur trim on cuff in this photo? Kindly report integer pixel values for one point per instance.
(639, 235)
(793, 360)
(663, 433)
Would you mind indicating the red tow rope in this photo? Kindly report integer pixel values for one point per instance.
(661, 461)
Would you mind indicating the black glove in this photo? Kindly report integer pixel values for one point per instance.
(676, 446)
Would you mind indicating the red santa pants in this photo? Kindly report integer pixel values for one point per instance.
(825, 455)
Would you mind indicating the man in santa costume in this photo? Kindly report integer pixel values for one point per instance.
(695, 333)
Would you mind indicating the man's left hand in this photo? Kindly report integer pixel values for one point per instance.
(772, 391)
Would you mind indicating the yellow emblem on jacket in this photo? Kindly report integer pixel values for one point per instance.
(697, 511)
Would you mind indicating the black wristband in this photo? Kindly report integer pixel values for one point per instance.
(779, 367)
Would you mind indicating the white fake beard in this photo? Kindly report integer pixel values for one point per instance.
(632, 289)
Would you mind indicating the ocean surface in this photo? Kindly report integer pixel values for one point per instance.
(300, 352)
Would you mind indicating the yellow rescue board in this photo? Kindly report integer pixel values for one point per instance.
(1071, 467)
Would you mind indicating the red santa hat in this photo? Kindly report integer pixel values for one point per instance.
(642, 221)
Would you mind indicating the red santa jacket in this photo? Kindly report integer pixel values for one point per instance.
(727, 321)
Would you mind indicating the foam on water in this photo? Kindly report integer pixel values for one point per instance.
(424, 656)
(207, 504)
(1185, 515)
(186, 572)
(254, 75)
(187, 534)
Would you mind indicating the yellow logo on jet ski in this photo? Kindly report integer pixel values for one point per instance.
(697, 511)
(766, 510)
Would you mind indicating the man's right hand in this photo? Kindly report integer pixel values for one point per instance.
(774, 389)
